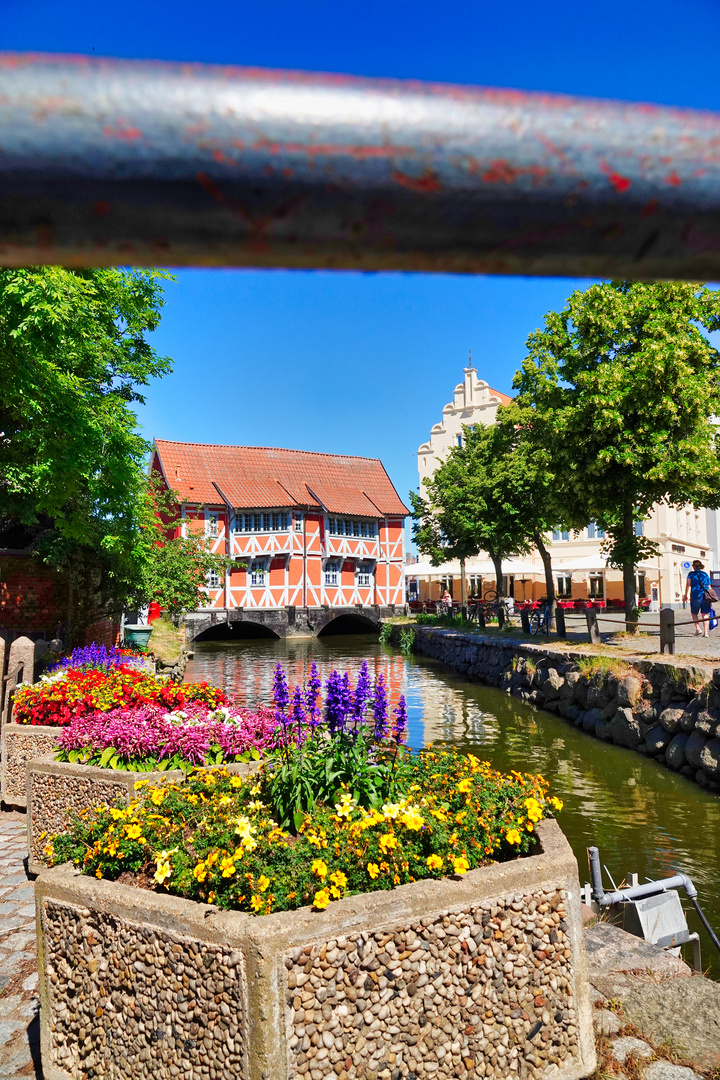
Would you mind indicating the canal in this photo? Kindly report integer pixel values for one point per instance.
(644, 818)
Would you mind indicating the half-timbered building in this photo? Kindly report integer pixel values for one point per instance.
(303, 530)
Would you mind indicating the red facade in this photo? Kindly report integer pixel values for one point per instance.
(303, 529)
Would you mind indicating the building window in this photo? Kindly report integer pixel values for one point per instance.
(596, 587)
(343, 527)
(298, 522)
(332, 571)
(564, 585)
(258, 573)
(212, 579)
(459, 440)
(211, 525)
(364, 574)
(638, 528)
(640, 585)
(276, 521)
(560, 534)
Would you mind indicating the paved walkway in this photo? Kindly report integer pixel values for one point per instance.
(648, 640)
(19, 1027)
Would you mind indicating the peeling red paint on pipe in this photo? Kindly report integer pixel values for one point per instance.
(108, 161)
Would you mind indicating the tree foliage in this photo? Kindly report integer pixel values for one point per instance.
(620, 388)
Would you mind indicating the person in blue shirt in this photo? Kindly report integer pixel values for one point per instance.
(697, 582)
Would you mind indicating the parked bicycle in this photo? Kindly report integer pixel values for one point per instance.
(540, 620)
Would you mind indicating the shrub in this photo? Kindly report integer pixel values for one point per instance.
(95, 657)
(147, 737)
(214, 838)
(59, 697)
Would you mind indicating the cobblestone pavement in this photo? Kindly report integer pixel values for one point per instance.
(19, 1027)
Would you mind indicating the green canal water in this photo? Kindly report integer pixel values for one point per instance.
(644, 819)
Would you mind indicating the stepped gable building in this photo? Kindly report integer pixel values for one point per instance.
(305, 530)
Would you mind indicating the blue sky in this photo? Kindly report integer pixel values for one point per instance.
(363, 364)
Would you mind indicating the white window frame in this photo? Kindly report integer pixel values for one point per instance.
(331, 573)
(258, 571)
(213, 580)
(298, 522)
(212, 525)
(564, 591)
(592, 590)
(364, 574)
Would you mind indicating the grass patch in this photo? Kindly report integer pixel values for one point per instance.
(598, 668)
(166, 641)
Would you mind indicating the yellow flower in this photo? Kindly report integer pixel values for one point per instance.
(339, 879)
(373, 870)
(434, 862)
(227, 866)
(163, 868)
(512, 836)
(335, 892)
(387, 842)
(391, 810)
(133, 831)
(322, 899)
(157, 796)
(412, 819)
(465, 784)
(263, 883)
(319, 868)
(200, 872)
(461, 865)
(236, 781)
(534, 810)
(556, 803)
(345, 807)
(256, 903)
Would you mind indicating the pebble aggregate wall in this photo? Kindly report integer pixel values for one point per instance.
(484, 976)
(663, 710)
(20, 744)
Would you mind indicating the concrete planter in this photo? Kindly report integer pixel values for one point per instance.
(484, 976)
(56, 787)
(22, 743)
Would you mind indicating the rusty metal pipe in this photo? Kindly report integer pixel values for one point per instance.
(107, 161)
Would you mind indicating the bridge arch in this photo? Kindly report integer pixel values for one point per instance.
(350, 623)
(237, 630)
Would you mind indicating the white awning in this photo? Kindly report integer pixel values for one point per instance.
(477, 567)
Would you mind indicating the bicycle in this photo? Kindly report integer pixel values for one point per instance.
(538, 621)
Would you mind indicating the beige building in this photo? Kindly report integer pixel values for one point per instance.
(579, 567)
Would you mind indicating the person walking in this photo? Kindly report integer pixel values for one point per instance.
(697, 585)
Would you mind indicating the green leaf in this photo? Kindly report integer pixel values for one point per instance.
(105, 757)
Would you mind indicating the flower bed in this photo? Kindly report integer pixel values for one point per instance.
(214, 838)
(59, 697)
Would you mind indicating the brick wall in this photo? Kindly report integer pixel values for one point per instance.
(33, 597)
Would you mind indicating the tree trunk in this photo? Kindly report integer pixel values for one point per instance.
(463, 589)
(497, 563)
(549, 582)
(628, 530)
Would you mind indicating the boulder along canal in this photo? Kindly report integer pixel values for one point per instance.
(644, 818)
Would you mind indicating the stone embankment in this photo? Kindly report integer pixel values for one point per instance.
(661, 709)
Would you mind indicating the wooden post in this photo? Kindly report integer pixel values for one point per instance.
(501, 616)
(560, 621)
(667, 630)
(592, 625)
(480, 617)
(525, 620)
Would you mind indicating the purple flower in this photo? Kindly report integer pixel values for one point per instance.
(312, 695)
(400, 727)
(380, 708)
(281, 694)
(334, 703)
(297, 713)
(95, 656)
(362, 694)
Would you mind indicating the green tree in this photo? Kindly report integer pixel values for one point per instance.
(74, 357)
(621, 387)
(172, 569)
(467, 508)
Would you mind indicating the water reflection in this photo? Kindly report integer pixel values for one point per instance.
(643, 818)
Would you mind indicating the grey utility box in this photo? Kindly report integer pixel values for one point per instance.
(658, 919)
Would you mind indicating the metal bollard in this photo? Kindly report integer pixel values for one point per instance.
(667, 630)
(592, 625)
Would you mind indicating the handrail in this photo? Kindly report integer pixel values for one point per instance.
(119, 161)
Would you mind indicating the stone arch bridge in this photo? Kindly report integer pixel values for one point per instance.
(285, 622)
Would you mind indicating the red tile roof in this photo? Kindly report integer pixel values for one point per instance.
(260, 476)
(504, 398)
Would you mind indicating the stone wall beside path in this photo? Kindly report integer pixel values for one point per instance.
(662, 709)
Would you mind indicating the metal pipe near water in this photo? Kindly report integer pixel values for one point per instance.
(116, 161)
